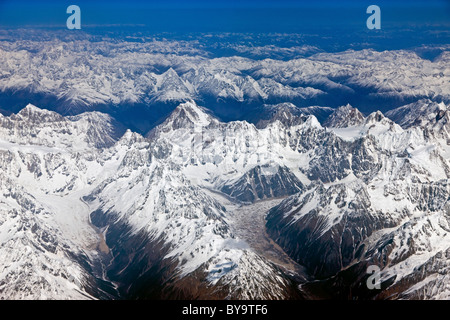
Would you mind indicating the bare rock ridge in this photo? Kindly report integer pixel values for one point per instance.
(343, 117)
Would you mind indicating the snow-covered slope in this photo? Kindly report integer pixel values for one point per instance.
(89, 213)
(83, 74)
(343, 117)
(428, 115)
(49, 129)
(364, 177)
(47, 244)
(392, 212)
(236, 157)
(76, 211)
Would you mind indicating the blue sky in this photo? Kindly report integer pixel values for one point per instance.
(229, 15)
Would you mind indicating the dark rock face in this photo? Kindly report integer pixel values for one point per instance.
(137, 266)
(348, 284)
(336, 159)
(343, 117)
(140, 269)
(331, 162)
(258, 184)
(417, 114)
(328, 230)
(308, 235)
(288, 114)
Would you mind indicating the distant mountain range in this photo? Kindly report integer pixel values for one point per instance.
(141, 83)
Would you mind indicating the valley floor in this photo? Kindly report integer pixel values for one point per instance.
(249, 224)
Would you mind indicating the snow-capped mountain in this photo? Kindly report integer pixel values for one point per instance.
(48, 247)
(432, 117)
(42, 127)
(365, 176)
(236, 157)
(114, 221)
(391, 210)
(421, 113)
(398, 73)
(90, 211)
(83, 75)
(343, 117)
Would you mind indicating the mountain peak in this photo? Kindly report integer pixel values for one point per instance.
(33, 125)
(31, 108)
(35, 114)
(171, 72)
(420, 113)
(187, 115)
(191, 114)
(101, 129)
(286, 113)
(130, 138)
(377, 123)
(194, 112)
(376, 116)
(345, 116)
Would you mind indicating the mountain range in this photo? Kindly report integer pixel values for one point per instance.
(140, 84)
(284, 207)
